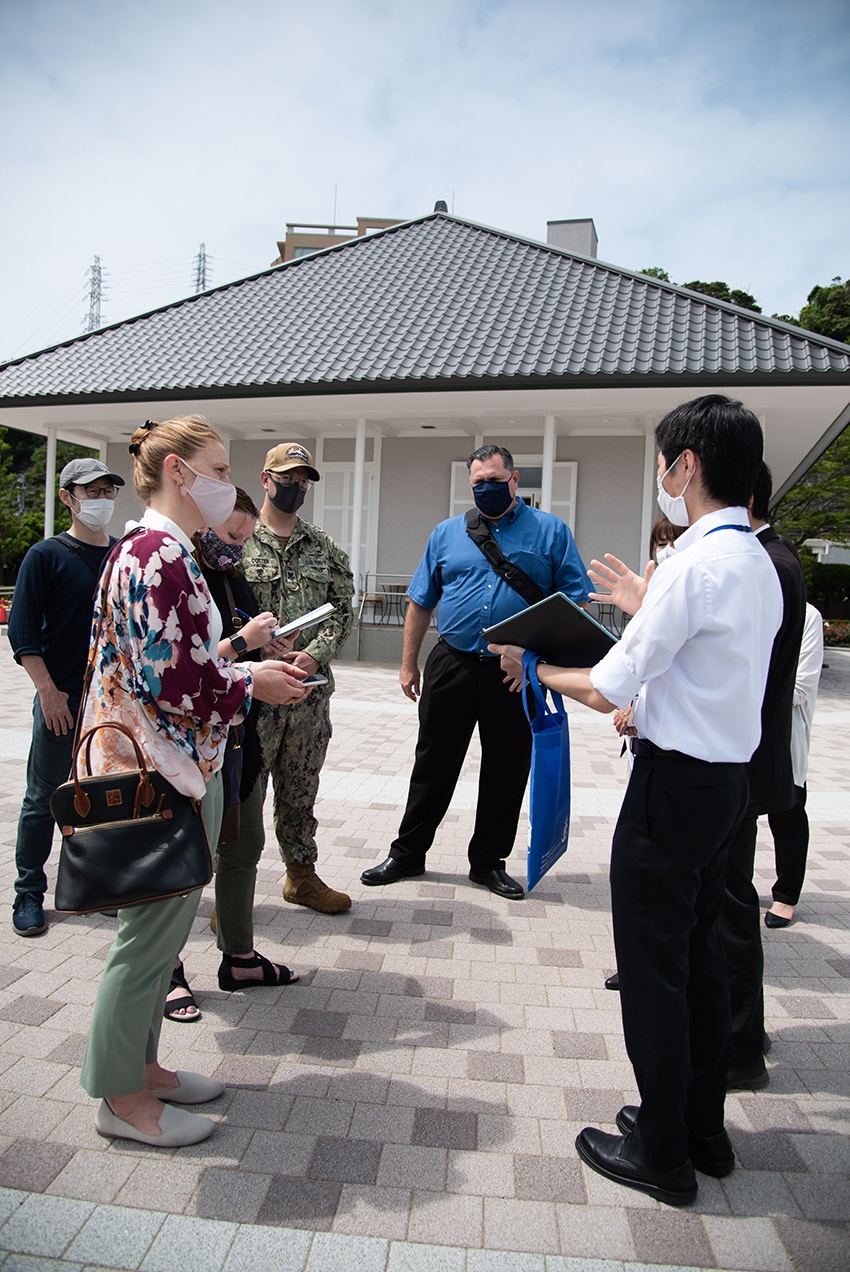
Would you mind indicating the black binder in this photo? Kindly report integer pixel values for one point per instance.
(558, 630)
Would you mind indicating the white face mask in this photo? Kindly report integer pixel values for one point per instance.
(673, 506)
(95, 514)
(215, 500)
(662, 553)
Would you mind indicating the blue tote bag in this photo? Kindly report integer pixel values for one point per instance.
(549, 793)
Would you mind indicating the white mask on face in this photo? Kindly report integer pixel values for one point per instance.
(215, 500)
(662, 553)
(95, 514)
(673, 506)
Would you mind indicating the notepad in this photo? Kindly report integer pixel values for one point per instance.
(305, 620)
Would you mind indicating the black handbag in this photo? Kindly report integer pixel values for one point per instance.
(127, 838)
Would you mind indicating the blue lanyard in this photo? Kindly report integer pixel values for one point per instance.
(743, 529)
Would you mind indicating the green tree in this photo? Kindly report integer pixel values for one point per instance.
(722, 291)
(655, 271)
(827, 310)
(23, 463)
(818, 506)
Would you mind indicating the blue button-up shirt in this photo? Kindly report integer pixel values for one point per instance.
(455, 574)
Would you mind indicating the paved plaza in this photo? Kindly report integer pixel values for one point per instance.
(411, 1105)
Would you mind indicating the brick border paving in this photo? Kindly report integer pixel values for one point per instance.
(412, 1103)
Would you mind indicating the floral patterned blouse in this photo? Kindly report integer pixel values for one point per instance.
(156, 667)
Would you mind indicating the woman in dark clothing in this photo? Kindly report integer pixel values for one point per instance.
(218, 553)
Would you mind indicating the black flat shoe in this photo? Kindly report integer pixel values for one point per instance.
(751, 1078)
(390, 871)
(613, 981)
(500, 882)
(617, 1158)
(772, 920)
(709, 1154)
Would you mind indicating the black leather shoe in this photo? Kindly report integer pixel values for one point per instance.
(500, 882)
(613, 981)
(709, 1154)
(748, 1078)
(772, 920)
(618, 1157)
(390, 871)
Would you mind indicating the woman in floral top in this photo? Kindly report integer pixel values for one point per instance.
(157, 672)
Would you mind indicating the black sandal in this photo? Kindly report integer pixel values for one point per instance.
(186, 999)
(273, 973)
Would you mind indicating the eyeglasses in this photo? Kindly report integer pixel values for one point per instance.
(283, 479)
(99, 492)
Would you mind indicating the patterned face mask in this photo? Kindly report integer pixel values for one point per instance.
(218, 554)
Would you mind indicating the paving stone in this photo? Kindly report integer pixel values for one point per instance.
(492, 1067)
(579, 1046)
(444, 1129)
(435, 1217)
(43, 1225)
(125, 1234)
(373, 1210)
(768, 1150)
(274, 1248)
(345, 1253)
(824, 1247)
(529, 1226)
(350, 1161)
(160, 1185)
(301, 1203)
(670, 1238)
(552, 1179)
(28, 1010)
(236, 1195)
(411, 1166)
(425, 1258)
(593, 1233)
(753, 1243)
(92, 1176)
(186, 1244)
(31, 1166)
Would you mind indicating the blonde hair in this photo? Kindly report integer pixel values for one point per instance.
(150, 444)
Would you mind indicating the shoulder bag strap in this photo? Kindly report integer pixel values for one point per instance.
(513, 575)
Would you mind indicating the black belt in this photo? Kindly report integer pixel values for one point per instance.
(644, 750)
(466, 653)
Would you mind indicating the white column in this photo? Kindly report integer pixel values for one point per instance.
(548, 462)
(648, 511)
(357, 505)
(50, 483)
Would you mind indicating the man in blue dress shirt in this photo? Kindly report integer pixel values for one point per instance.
(463, 686)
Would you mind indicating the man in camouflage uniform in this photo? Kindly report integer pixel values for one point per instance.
(294, 567)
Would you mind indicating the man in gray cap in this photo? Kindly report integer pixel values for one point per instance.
(294, 567)
(49, 631)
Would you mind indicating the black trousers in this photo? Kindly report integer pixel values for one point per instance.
(459, 692)
(668, 867)
(740, 929)
(790, 832)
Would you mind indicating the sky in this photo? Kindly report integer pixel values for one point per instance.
(710, 140)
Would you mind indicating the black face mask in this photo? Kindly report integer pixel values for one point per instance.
(287, 498)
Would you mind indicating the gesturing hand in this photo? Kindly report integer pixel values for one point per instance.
(626, 589)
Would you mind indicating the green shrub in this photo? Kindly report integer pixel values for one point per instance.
(836, 631)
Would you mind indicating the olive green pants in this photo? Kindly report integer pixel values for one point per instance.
(236, 876)
(127, 1017)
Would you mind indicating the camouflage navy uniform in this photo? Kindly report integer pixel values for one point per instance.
(289, 581)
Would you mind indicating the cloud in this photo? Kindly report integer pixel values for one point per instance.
(708, 140)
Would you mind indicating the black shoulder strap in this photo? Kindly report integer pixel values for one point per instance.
(514, 576)
(73, 545)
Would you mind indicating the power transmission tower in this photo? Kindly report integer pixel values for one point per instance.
(95, 274)
(202, 262)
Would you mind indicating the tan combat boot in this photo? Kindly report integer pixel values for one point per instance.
(304, 887)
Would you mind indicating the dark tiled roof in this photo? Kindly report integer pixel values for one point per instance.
(434, 303)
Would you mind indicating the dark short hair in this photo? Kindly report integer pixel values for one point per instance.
(727, 439)
(490, 452)
(762, 490)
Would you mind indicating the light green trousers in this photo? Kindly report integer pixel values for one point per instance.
(127, 1017)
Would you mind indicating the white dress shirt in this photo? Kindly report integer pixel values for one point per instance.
(697, 652)
(806, 693)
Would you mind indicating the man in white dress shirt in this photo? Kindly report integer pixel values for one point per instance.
(695, 657)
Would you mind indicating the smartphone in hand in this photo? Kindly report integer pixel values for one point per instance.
(314, 680)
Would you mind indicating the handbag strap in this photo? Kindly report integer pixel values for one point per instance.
(529, 676)
(105, 579)
(514, 575)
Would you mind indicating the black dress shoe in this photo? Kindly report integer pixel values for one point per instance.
(500, 882)
(709, 1154)
(613, 981)
(390, 871)
(749, 1077)
(618, 1157)
(772, 920)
